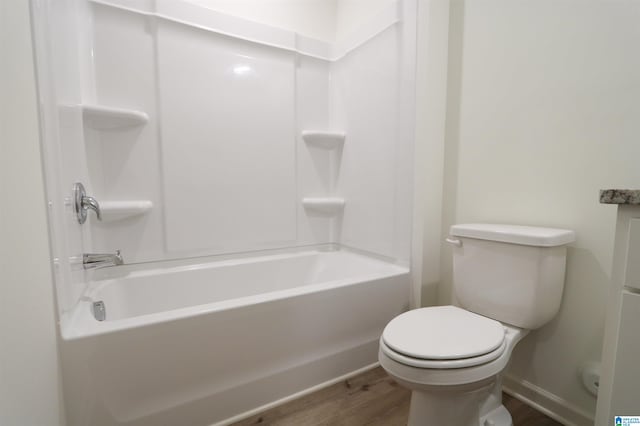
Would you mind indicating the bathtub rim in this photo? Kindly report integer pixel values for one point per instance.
(81, 323)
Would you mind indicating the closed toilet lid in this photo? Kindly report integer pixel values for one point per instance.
(443, 333)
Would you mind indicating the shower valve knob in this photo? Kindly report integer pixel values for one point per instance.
(82, 202)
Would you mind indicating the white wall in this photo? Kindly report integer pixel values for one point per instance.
(312, 18)
(431, 101)
(350, 12)
(375, 174)
(29, 377)
(542, 113)
(206, 113)
(370, 120)
(328, 20)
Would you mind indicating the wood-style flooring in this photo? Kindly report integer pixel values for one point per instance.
(371, 399)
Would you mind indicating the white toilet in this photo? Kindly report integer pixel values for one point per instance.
(507, 280)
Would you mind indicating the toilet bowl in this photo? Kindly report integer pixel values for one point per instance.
(456, 375)
(509, 280)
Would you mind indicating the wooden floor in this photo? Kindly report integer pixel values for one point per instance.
(371, 398)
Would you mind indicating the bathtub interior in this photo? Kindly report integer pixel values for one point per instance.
(158, 292)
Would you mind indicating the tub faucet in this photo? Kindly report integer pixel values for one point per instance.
(100, 260)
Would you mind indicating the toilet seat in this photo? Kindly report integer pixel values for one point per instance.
(442, 364)
(443, 337)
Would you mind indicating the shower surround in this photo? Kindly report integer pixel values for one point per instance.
(258, 184)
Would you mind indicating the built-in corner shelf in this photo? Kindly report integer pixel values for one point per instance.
(101, 117)
(116, 210)
(327, 205)
(321, 139)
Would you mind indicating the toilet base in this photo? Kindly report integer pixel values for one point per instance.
(498, 417)
(427, 410)
(472, 407)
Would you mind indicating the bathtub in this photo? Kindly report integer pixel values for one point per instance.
(215, 341)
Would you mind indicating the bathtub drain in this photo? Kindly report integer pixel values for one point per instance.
(99, 310)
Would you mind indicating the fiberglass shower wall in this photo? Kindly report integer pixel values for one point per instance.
(187, 125)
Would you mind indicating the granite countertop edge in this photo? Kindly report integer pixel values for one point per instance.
(620, 196)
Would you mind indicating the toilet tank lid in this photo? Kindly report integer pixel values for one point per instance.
(515, 234)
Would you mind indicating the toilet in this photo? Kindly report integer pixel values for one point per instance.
(507, 280)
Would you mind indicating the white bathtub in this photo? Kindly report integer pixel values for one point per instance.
(209, 343)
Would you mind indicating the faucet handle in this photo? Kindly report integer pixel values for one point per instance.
(82, 202)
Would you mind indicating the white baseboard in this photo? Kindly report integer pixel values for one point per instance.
(546, 402)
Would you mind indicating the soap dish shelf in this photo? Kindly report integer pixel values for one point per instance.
(322, 139)
(117, 210)
(327, 205)
(101, 117)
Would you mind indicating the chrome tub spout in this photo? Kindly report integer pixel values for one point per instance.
(100, 260)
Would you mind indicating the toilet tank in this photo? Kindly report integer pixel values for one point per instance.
(514, 274)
